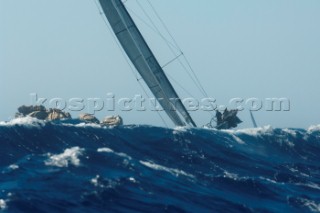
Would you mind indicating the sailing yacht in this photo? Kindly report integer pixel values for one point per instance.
(143, 59)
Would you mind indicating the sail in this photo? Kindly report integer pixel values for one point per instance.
(145, 62)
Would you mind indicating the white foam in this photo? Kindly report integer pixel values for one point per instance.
(310, 185)
(84, 125)
(69, 156)
(269, 180)
(290, 132)
(230, 175)
(238, 139)
(314, 128)
(25, 121)
(13, 167)
(107, 150)
(252, 131)
(174, 172)
(179, 129)
(99, 182)
(312, 205)
(95, 181)
(131, 179)
(3, 204)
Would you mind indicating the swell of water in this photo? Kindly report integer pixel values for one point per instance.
(86, 168)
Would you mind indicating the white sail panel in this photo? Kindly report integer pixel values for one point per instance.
(144, 61)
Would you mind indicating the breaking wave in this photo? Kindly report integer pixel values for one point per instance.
(76, 167)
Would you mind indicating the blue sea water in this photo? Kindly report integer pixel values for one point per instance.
(60, 167)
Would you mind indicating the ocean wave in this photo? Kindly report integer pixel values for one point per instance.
(68, 166)
(24, 121)
(314, 128)
(107, 150)
(174, 172)
(3, 204)
(68, 157)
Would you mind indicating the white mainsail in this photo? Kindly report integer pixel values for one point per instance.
(145, 62)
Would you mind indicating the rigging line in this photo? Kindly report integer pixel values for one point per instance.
(176, 46)
(197, 83)
(164, 25)
(172, 60)
(110, 30)
(183, 65)
(155, 26)
(173, 39)
(154, 104)
(155, 78)
(184, 89)
(127, 60)
(194, 78)
(154, 30)
(192, 96)
(190, 67)
(201, 89)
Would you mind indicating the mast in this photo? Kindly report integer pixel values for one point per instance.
(145, 62)
(253, 120)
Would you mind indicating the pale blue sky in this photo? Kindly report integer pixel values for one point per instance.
(261, 49)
